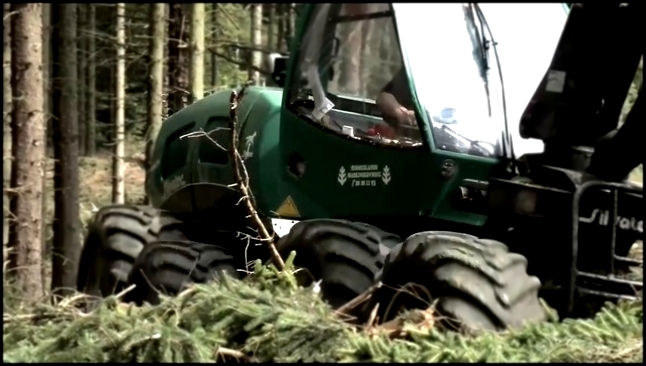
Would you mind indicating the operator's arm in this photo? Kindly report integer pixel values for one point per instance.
(395, 101)
(387, 103)
(386, 100)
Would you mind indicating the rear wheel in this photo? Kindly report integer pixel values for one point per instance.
(344, 255)
(166, 267)
(115, 237)
(476, 284)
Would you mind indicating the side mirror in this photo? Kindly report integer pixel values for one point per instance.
(278, 64)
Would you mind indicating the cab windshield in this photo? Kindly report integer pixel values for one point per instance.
(356, 62)
(456, 75)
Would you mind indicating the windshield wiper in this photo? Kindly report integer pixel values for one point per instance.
(508, 150)
(482, 46)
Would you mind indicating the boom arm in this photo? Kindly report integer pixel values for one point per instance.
(581, 96)
(615, 158)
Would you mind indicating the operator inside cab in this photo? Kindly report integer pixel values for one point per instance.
(395, 101)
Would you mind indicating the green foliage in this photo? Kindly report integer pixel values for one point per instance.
(267, 318)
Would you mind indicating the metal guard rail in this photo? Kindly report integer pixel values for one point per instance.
(575, 274)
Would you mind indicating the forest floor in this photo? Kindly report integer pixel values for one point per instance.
(95, 177)
(265, 318)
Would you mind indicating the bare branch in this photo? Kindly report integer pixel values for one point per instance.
(359, 299)
(201, 133)
(228, 16)
(243, 179)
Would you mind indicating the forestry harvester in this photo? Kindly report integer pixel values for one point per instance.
(384, 154)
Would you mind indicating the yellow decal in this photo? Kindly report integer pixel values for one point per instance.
(288, 208)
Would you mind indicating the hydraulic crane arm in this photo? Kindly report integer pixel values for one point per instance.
(617, 156)
(581, 96)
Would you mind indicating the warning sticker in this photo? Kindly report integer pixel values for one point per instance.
(288, 208)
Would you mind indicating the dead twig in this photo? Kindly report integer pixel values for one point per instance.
(227, 352)
(359, 299)
(373, 317)
(202, 133)
(242, 178)
(123, 293)
(409, 289)
(418, 321)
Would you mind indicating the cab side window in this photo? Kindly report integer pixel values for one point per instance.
(368, 52)
(175, 151)
(349, 56)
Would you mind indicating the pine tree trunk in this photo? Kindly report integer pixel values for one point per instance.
(350, 72)
(90, 108)
(280, 32)
(118, 168)
(196, 72)
(47, 88)
(214, 38)
(6, 120)
(289, 24)
(155, 75)
(167, 50)
(50, 120)
(28, 135)
(82, 68)
(256, 42)
(66, 248)
(271, 31)
(177, 50)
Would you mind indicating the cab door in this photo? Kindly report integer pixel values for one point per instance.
(337, 164)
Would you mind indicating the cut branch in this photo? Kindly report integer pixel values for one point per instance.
(242, 179)
(359, 299)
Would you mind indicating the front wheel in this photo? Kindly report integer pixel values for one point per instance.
(345, 256)
(166, 267)
(116, 236)
(476, 284)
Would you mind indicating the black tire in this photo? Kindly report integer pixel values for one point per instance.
(167, 266)
(115, 237)
(344, 255)
(476, 284)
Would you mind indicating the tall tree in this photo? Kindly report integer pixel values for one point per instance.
(177, 48)
(47, 102)
(280, 32)
(66, 246)
(289, 19)
(90, 108)
(256, 42)
(6, 120)
(155, 75)
(214, 38)
(196, 78)
(349, 80)
(82, 68)
(28, 146)
(118, 167)
(271, 22)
